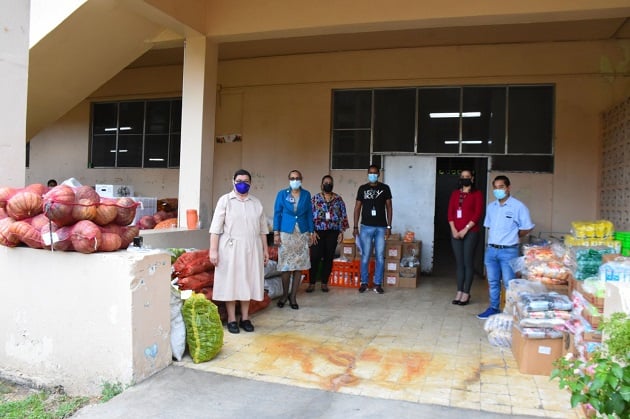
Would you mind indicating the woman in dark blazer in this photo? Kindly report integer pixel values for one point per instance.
(293, 233)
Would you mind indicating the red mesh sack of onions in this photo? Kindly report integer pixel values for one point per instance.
(86, 237)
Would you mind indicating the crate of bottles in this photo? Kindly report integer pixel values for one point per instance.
(348, 274)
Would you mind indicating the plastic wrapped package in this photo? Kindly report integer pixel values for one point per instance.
(585, 261)
(178, 328)
(501, 321)
(615, 271)
(549, 272)
(519, 286)
(592, 229)
(540, 332)
(501, 338)
(545, 301)
(273, 286)
(499, 329)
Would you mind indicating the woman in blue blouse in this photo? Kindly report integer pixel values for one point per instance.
(331, 220)
(292, 232)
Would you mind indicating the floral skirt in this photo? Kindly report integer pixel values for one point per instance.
(293, 254)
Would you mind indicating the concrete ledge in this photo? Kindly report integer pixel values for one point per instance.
(175, 237)
(79, 321)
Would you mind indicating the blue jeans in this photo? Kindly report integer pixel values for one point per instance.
(368, 235)
(497, 263)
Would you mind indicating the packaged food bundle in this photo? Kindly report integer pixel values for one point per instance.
(499, 329)
(540, 332)
(537, 253)
(615, 271)
(585, 261)
(549, 272)
(544, 301)
(592, 229)
(516, 288)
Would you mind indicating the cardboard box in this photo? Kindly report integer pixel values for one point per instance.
(392, 265)
(390, 279)
(535, 356)
(393, 237)
(393, 250)
(347, 250)
(404, 272)
(408, 282)
(412, 249)
(568, 344)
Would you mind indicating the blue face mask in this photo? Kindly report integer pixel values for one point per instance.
(372, 177)
(295, 184)
(242, 187)
(499, 193)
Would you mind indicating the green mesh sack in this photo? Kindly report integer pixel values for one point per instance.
(204, 331)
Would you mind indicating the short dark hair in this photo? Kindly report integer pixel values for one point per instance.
(328, 177)
(295, 171)
(51, 182)
(242, 172)
(503, 178)
(374, 166)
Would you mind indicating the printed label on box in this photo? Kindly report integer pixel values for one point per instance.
(392, 266)
(391, 280)
(545, 350)
(347, 250)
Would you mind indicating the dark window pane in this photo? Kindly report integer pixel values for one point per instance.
(103, 151)
(131, 117)
(523, 163)
(351, 149)
(156, 151)
(438, 120)
(129, 151)
(174, 150)
(352, 109)
(158, 117)
(483, 120)
(377, 160)
(394, 120)
(176, 117)
(530, 119)
(104, 118)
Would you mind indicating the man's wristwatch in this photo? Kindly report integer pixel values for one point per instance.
(389, 227)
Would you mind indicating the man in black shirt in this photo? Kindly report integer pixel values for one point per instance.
(374, 210)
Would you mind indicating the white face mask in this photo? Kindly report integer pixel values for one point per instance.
(295, 184)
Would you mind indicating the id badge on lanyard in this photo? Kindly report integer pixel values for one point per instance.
(373, 212)
(459, 213)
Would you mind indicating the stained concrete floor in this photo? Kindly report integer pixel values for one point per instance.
(409, 345)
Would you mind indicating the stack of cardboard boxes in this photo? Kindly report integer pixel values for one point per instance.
(395, 275)
(398, 254)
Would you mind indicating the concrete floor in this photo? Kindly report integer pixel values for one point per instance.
(408, 345)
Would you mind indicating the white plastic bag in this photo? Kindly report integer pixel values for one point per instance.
(178, 328)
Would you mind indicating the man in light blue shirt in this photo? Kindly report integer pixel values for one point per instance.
(507, 220)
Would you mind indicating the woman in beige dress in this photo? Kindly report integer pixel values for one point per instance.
(238, 250)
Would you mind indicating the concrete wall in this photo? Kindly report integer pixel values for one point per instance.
(81, 320)
(281, 106)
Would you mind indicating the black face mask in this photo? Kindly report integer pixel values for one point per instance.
(327, 187)
(465, 182)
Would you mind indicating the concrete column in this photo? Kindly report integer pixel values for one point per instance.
(198, 123)
(14, 30)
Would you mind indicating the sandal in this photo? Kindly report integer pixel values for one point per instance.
(311, 288)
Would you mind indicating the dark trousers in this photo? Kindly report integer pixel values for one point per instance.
(324, 249)
(464, 250)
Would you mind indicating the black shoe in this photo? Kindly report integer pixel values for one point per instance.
(363, 288)
(464, 303)
(455, 302)
(281, 303)
(378, 289)
(233, 327)
(311, 288)
(294, 305)
(246, 325)
(324, 287)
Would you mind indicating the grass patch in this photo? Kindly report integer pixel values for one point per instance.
(42, 406)
(110, 391)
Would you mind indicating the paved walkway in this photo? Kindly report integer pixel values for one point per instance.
(407, 353)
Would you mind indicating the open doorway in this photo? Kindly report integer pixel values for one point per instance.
(446, 179)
